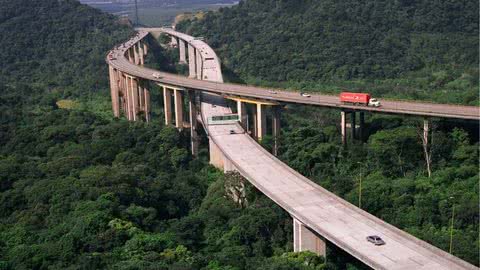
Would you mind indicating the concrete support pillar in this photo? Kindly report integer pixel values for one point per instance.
(128, 98)
(130, 55)
(193, 122)
(167, 105)
(361, 130)
(261, 122)
(253, 124)
(173, 41)
(141, 96)
(145, 48)
(135, 100)
(353, 125)
(114, 91)
(147, 109)
(306, 240)
(343, 127)
(135, 54)
(199, 64)
(192, 70)
(141, 54)
(242, 113)
(181, 46)
(178, 99)
(275, 129)
(216, 156)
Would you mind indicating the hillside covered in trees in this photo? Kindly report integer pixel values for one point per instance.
(404, 49)
(80, 190)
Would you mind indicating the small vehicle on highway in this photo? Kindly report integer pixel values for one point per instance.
(156, 75)
(305, 94)
(272, 92)
(232, 131)
(376, 240)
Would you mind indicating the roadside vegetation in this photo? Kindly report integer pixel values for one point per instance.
(417, 50)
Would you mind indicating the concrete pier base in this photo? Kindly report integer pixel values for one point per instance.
(178, 100)
(199, 65)
(242, 113)
(193, 122)
(343, 127)
(183, 56)
(306, 240)
(167, 105)
(114, 91)
(261, 123)
(192, 69)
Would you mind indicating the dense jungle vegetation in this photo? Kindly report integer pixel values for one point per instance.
(404, 49)
(80, 190)
(409, 49)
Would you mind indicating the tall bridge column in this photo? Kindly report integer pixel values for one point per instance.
(199, 65)
(192, 71)
(193, 122)
(141, 54)
(306, 240)
(167, 105)
(145, 48)
(147, 106)
(135, 97)
(261, 123)
(114, 91)
(129, 98)
(135, 54)
(130, 55)
(343, 127)
(276, 128)
(178, 100)
(173, 41)
(242, 113)
(181, 46)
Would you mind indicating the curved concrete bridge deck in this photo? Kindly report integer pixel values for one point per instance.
(318, 214)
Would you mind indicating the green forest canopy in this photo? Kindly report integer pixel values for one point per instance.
(417, 49)
(82, 191)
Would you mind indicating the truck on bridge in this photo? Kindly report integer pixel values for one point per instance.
(359, 99)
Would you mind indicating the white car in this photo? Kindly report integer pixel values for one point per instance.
(305, 95)
(272, 92)
(373, 102)
(156, 75)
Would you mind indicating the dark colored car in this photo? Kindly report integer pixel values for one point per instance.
(376, 240)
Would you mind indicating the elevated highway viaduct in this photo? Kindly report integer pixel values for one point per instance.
(318, 215)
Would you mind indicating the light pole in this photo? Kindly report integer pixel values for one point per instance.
(451, 225)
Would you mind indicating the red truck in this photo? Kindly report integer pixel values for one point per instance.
(359, 98)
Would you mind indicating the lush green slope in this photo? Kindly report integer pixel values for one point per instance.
(58, 44)
(404, 49)
(423, 48)
(83, 191)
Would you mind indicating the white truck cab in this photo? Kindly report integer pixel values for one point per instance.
(373, 102)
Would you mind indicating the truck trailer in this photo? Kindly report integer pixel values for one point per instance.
(359, 99)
